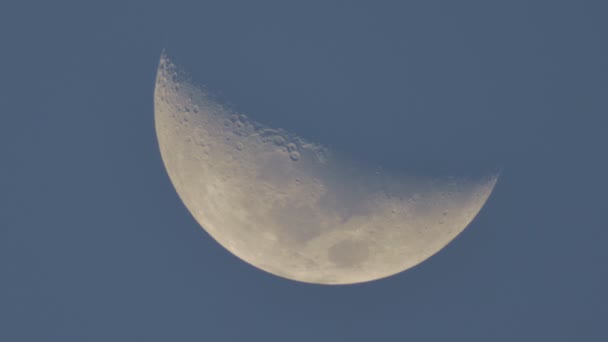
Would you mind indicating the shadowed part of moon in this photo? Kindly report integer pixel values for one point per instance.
(293, 207)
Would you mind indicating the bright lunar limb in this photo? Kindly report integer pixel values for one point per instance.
(294, 208)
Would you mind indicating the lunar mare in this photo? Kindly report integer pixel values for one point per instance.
(294, 208)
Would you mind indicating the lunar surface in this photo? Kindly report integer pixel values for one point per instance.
(293, 207)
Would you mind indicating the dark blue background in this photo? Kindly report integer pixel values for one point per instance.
(96, 246)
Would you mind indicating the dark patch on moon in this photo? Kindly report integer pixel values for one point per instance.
(348, 253)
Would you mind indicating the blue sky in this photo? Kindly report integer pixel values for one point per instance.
(95, 244)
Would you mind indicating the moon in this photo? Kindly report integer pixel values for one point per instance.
(293, 207)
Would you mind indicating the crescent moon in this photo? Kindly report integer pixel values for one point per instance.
(293, 207)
